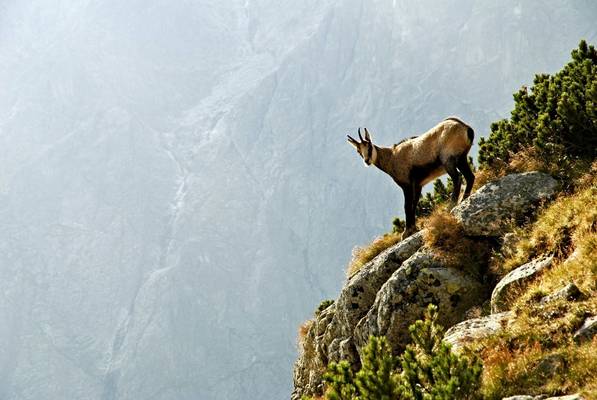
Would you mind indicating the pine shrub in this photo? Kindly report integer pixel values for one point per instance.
(430, 371)
(557, 117)
(427, 370)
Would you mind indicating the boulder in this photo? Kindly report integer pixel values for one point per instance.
(492, 209)
(568, 292)
(358, 294)
(474, 329)
(330, 337)
(515, 280)
(587, 331)
(420, 280)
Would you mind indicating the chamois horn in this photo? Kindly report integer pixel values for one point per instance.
(367, 137)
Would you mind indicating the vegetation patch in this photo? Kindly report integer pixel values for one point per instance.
(556, 117)
(426, 370)
(323, 305)
(362, 255)
(303, 331)
(445, 236)
(567, 224)
(537, 354)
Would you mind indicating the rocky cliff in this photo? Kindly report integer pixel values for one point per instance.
(392, 291)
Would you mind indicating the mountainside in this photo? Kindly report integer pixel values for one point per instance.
(175, 190)
(531, 320)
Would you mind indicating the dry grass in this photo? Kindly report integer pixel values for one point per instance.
(524, 161)
(303, 332)
(362, 255)
(560, 228)
(513, 360)
(445, 236)
(511, 370)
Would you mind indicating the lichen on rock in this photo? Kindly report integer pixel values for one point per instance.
(421, 280)
(492, 209)
(515, 280)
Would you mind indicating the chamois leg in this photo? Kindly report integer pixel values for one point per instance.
(409, 211)
(455, 175)
(469, 176)
(417, 196)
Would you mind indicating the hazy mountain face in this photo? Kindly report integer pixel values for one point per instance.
(176, 193)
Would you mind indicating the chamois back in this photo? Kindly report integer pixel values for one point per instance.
(425, 155)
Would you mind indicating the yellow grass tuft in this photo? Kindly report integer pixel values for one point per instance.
(445, 236)
(362, 255)
(559, 229)
(303, 331)
(514, 361)
(528, 160)
(524, 161)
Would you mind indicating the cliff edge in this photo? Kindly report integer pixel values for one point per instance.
(458, 274)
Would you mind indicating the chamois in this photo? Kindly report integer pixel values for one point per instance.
(416, 161)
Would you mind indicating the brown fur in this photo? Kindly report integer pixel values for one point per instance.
(414, 162)
(448, 138)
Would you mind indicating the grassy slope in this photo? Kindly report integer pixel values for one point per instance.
(537, 355)
(514, 361)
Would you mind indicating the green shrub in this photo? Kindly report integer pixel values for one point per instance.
(427, 370)
(340, 381)
(323, 305)
(440, 195)
(377, 379)
(398, 225)
(430, 371)
(557, 117)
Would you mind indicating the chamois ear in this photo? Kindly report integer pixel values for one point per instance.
(367, 136)
(352, 141)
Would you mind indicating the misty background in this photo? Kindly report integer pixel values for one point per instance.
(176, 191)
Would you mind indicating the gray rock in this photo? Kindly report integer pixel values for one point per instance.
(550, 365)
(474, 329)
(587, 331)
(422, 279)
(358, 294)
(491, 210)
(520, 397)
(509, 242)
(330, 338)
(311, 363)
(514, 280)
(568, 292)
(575, 396)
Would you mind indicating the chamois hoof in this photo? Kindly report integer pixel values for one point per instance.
(408, 232)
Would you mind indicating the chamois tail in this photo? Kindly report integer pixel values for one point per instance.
(469, 131)
(471, 134)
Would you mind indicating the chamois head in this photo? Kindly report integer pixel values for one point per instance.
(365, 147)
